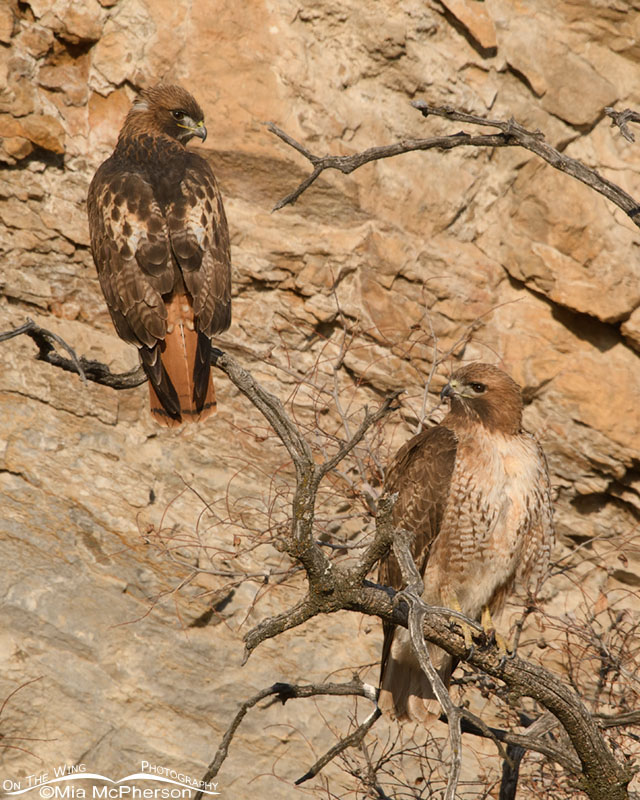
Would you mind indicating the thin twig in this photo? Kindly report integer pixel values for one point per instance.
(352, 740)
(371, 494)
(427, 386)
(367, 422)
(283, 692)
(269, 406)
(622, 119)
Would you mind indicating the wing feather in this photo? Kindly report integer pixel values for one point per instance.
(421, 475)
(130, 244)
(200, 241)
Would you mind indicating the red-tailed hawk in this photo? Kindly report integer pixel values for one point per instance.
(475, 492)
(160, 243)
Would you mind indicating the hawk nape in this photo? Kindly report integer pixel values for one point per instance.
(160, 243)
(474, 491)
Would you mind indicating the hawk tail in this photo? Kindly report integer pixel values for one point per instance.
(405, 691)
(179, 369)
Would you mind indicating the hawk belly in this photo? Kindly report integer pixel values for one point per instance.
(492, 532)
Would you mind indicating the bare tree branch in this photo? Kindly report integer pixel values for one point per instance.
(274, 626)
(512, 134)
(270, 407)
(88, 370)
(333, 587)
(602, 777)
(531, 739)
(618, 720)
(621, 119)
(413, 596)
(347, 164)
(352, 740)
(282, 693)
(534, 141)
(382, 539)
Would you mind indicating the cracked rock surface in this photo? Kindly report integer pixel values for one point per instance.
(137, 658)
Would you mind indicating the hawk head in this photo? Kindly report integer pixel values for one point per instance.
(485, 394)
(166, 109)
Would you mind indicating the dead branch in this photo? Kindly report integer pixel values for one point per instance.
(618, 720)
(512, 134)
(412, 596)
(88, 370)
(332, 587)
(347, 164)
(622, 120)
(530, 739)
(354, 739)
(283, 692)
(381, 541)
(534, 141)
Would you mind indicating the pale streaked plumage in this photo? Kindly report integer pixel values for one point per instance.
(475, 491)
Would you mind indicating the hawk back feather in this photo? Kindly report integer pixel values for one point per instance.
(160, 242)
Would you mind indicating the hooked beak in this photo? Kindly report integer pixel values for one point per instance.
(449, 390)
(200, 131)
(192, 129)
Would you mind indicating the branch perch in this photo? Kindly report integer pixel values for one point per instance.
(412, 595)
(333, 587)
(88, 370)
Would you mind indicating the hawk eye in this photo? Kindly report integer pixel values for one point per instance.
(478, 388)
(178, 115)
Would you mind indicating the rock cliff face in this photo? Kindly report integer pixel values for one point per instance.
(490, 254)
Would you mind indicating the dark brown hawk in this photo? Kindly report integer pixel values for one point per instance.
(474, 490)
(160, 243)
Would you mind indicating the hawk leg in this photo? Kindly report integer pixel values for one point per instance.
(492, 634)
(451, 601)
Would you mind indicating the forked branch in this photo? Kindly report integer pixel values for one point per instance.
(622, 119)
(282, 692)
(512, 134)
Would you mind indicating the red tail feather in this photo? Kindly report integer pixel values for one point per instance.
(178, 357)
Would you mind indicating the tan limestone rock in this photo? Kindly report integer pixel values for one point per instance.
(631, 329)
(14, 148)
(74, 21)
(475, 19)
(120, 536)
(554, 72)
(564, 254)
(36, 39)
(7, 24)
(44, 131)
